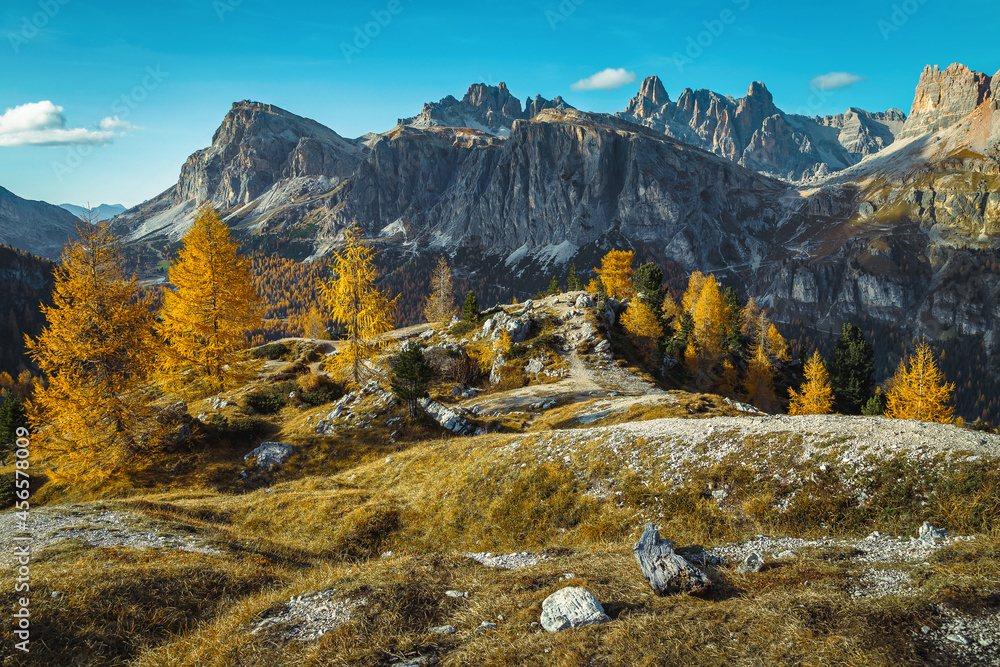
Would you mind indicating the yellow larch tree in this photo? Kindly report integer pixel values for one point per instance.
(616, 273)
(313, 324)
(919, 390)
(440, 305)
(760, 381)
(817, 394)
(670, 312)
(709, 313)
(356, 303)
(206, 320)
(695, 282)
(96, 351)
(643, 327)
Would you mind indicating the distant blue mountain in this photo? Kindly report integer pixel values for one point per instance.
(101, 213)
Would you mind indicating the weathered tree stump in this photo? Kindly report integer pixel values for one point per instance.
(665, 571)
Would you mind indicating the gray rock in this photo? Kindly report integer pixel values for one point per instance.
(486, 626)
(442, 630)
(496, 372)
(751, 563)
(270, 454)
(535, 366)
(447, 417)
(603, 346)
(665, 571)
(584, 301)
(456, 594)
(929, 533)
(571, 607)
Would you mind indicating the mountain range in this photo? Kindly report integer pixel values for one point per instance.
(884, 216)
(100, 213)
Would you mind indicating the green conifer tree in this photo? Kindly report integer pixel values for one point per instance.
(573, 283)
(411, 373)
(852, 371)
(470, 310)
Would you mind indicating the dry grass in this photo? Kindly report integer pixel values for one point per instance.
(325, 519)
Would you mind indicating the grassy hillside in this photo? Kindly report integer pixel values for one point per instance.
(344, 554)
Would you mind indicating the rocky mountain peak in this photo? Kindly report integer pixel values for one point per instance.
(943, 98)
(651, 98)
(995, 90)
(533, 107)
(495, 99)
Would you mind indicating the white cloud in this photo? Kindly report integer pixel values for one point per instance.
(835, 80)
(608, 79)
(44, 124)
(115, 125)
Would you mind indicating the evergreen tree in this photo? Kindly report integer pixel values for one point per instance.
(649, 285)
(553, 287)
(206, 321)
(357, 303)
(817, 396)
(573, 283)
(12, 417)
(96, 351)
(919, 390)
(875, 407)
(470, 309)
(852, 371)
(411, 373)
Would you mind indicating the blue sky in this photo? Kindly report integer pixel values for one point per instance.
(147, 84)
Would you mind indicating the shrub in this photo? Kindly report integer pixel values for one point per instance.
(272, 351)
(264, 401)
(462, 328)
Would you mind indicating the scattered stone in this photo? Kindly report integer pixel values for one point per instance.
(442, 630)
(427, 334)
(602, 347)
(419, 661)
(787, 554)
(929, 533)
(571, 607)
(584, 301)
(751, 563)
(456, 594)
(535, 366)
(270, 454)
(508, 561)
(308, 617)
(665, 571)
(447, 417)
(486, 626)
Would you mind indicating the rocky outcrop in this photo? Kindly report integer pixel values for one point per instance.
(491, 109)
(754, 133)
(945, 97)
(34, 226)
(260, 152)
(862, 132)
